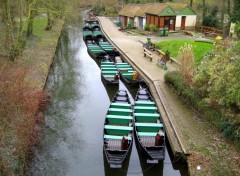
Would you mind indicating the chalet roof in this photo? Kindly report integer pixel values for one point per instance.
(132, 10)
(129, 10)
(144, 8)
(156, 8)
(178, 7)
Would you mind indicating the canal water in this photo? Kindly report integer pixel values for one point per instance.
(71, 140)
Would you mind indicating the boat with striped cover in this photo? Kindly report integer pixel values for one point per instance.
(118, 130)
(126, 71)
(148, 129)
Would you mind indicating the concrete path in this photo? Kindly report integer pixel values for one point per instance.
(154, 76)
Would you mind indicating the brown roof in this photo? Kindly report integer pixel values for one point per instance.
(144, 8)
(129, 10)
(156, 8)
(132, 10)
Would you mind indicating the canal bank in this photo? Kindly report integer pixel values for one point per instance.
(189, 134)
(28, 75)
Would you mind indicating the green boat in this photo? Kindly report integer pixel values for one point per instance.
(118, 130)
(149, 130)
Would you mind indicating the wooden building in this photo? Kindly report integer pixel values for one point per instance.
(174, 16)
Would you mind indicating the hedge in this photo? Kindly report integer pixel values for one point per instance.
(228, 128)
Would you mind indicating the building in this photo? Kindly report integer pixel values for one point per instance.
(174, 16)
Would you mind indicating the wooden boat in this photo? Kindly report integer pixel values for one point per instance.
(126, 71)
(87, 33)
(93, 49)
(107, 47)
(149, 130)
(109, 71)
(118, 129)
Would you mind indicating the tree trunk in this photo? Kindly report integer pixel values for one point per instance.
(50, 21)
(9, 28)
(191, 3)
(203, 9)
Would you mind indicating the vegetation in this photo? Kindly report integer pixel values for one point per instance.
(200, 49)
(215, 91)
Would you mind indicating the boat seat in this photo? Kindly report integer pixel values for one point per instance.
(147, 133)
(146, 117)
(119, 120)
(107, 63)
(113, 72)
(128, 70)
(108, 66)
(122, 93)
(120, 105)
(118, 130)
(116, 137)
(123, 66)
(118, 111)
(148, 127)
(142, 92)
(145, 109)
(120, 99)
(123, 63)
(143, 97)
(109, 76)
(144, 103)
(109, 69)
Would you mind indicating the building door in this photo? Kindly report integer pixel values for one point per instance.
(125, 21)
(140, 22)
(172, 24)
(183, 22)
(166, 22)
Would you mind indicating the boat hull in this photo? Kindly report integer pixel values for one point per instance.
(148, 129)
(118, 130)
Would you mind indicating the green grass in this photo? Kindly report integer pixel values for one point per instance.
(200, 49)
(46, 38)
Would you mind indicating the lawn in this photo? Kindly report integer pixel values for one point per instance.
(200, 49)
(44, 38)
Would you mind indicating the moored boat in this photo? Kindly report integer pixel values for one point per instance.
(107, 47)
(118, 130)
(93, 49)
(149, 130)
(109, 71)
(126, 71)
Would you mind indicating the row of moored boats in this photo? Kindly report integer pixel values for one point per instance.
(125, 122)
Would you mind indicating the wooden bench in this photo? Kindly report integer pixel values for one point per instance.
(148, 53)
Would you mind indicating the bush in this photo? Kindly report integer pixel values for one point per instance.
(228, 128)
(152, 28)
(146, 27)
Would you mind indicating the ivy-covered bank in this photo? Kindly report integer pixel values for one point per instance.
(22, 82)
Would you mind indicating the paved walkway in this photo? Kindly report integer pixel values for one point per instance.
(153, 74)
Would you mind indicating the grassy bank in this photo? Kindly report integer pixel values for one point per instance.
(200, 49)
(22, 83)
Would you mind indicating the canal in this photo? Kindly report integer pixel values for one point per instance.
(71, 140)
